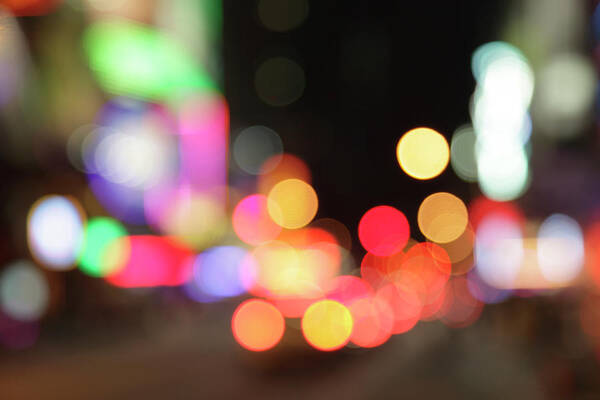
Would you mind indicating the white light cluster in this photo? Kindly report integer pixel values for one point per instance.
(501, 119)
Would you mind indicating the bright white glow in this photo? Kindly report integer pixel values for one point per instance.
(24, 291)
(501, 102)
(501, 120)
(497, 121)
(509, 79)
(503, 172)
(560, 249)
(498, 251)
(138, 155)
(55, 232)
(489, 53)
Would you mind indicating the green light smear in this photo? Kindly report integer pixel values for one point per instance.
(135, 60)
(99, 234)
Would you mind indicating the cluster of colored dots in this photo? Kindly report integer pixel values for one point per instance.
(157, 158)
(294, 266)
(472, 256)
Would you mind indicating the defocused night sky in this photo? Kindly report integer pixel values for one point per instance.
(373, 71)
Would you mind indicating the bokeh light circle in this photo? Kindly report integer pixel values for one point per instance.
(462, 153)
(102, 253)
(560, 248)
(460, 249)
(426, 268)
(405, 303)
(489, 53)
(373, 322)
(24, 292)
(442, 217)
(277, 269)
(565, 89)
(55, 231)
(253, 146)
(279, 81)
(423, 153)
(279, 168)
(282, 15)
(503, 172)
(138, 155)
(383, 230)
(257, 325)
(252, 222)
(292, 203)
(327, 325)
(217, 271)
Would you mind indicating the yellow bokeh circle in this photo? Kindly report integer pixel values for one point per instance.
(442, 217)
(292, 203)
(423, 153)
(327, 325)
